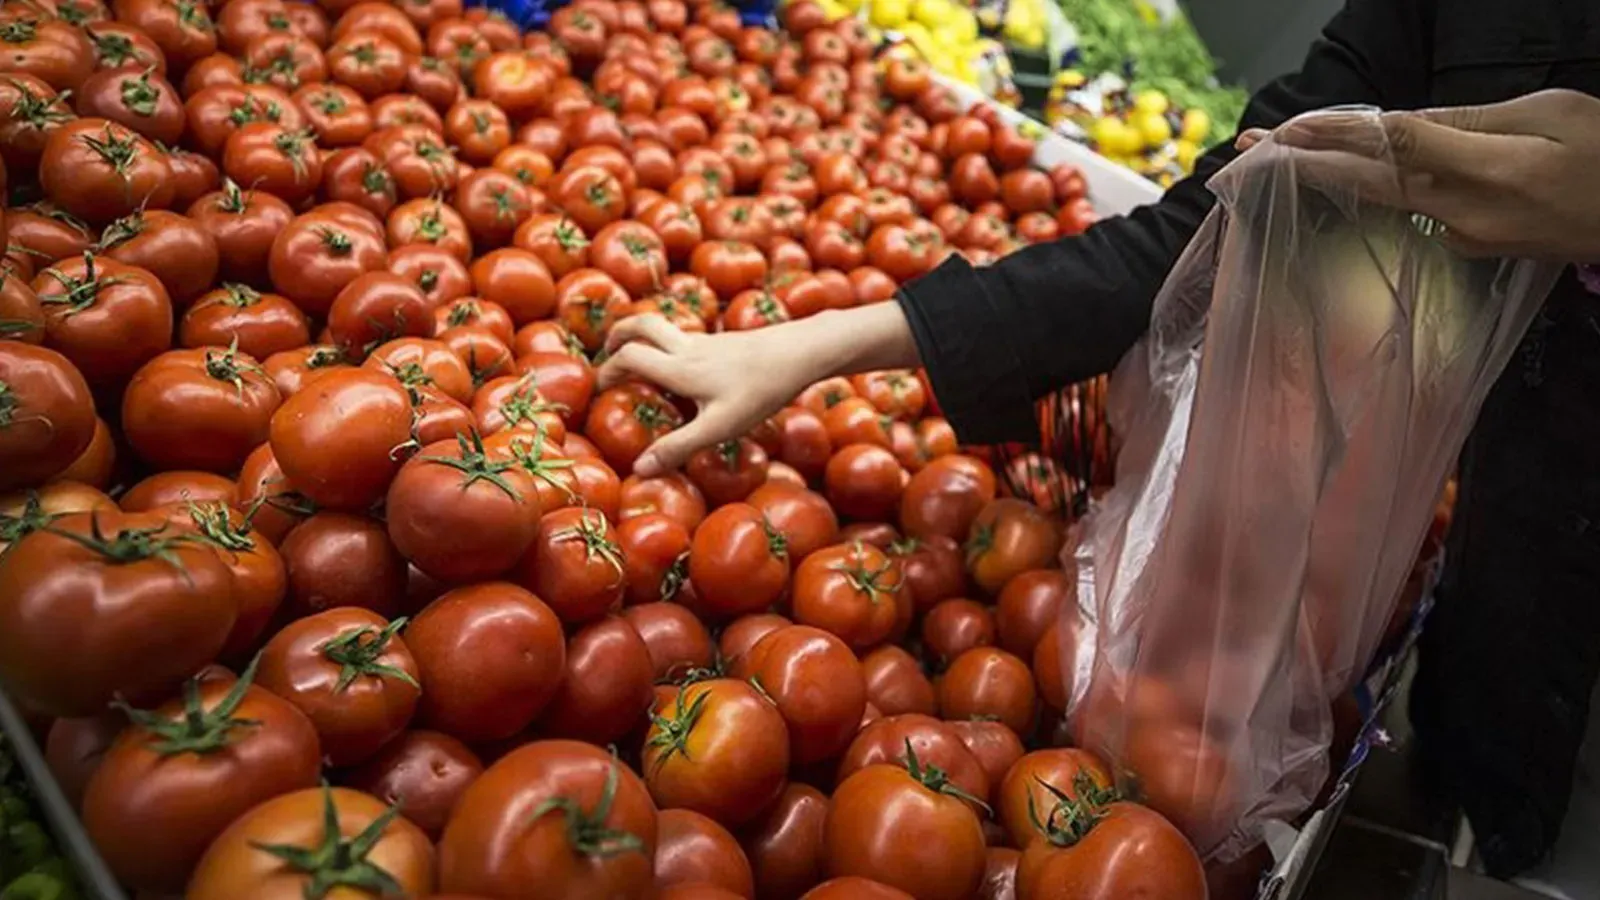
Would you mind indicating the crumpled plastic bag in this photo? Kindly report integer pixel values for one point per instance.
(1314, 364)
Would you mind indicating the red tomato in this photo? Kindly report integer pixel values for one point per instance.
(315, 256)
(721, 749)
(625, 420)
(336, 559)
(816, 683)
(851, 590)
(989, 683)
(995, 747)
(491, 657)
(335, 439)
(728, 472)
(460, 514)
(424, 772)
(285, 845)
(692, 849)
(945, 498)
(803, 517)
(954, 626)
(1118, 850)
(678, 642)
(182, 772)
(1007, 538)
(260, 577)
(608, 685)
(107, 317)
(935, 570)
(907, 827)
(261, 323)
(243, 224)
(198, 409)
(672, 495)
(896, 683)
(504, 835)
(102, 588)
(575, 565)
(49, 415)
(1028, 605)
(864, 481)
(738, 562)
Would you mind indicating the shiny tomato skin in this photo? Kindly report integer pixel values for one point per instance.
(198, 409)
(952, 627)
(672, 495)
(884, 741)
(726, 755)
(692, 849)
(335, 559)
(626, 419)
(335, 439)
(816, 683)
(1028, 605)
(1008, 537)
(152, 814)
(575, 565)
(99, 185)
(162, 489)
(262, 323)
(315, 256)
(864, 481)
(518, 281)
(995, 746)
(461, 515)
(491, 657)
(852, 887)
(803, 517)
(284, 163)
(355, 719)
(495, 844)
(1059, 767)
(739, 563)
(244, 225)
(608, 685)
(119, 319)
(24, 512)
(235, 865)
(884, 824)
(849, 590)
(182, 618)
(50, 414)
(987, 682)
(426, 772)
(260, 577)
(935, 570)
(1131, 851)
(677, 641)
(896, 683)
(785, 846)
(728, 472)
(654, 550)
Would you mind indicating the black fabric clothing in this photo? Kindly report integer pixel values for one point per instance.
(1508, 661)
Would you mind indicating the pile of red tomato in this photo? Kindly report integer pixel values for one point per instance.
(308, 479)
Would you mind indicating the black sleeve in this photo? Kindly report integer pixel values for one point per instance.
(996, 339)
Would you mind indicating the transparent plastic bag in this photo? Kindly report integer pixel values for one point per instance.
(1314, 363)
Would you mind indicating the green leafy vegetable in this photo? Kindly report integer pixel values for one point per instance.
(31, 868)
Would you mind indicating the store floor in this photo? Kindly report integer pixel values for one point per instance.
(1389, 845)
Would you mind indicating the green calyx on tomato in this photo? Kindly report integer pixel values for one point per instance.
(337, 242)
(32, 518)
(226, 366)
(113, 50)
(80, 293)
(10, 328)
(116, 152)
(234, 199)
(506, 206)
(672, 730)
(938, 781)
(130, 545)
(475, 465)
(292, 144)
(357, 653)
(526, 405)
(336, 862)
(1072, 817)
(464, 313)
(139, 95)
(652, 415)
(239, 296)
(37, 111)
(329, 102)
(194, 15)
(569, 236)
(587, 832)
(597, 542)
(530, 457)
(200, 730)
(375, 180)
(216, 528)
(777, 543)
(121, 231)
(19, 31)
(868, 581)
(676, 576)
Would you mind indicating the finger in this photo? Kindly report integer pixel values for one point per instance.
(1250, 138)
(650, 328)
(1407, 140)
(674, 448)
(1538, 114)
(637, 360)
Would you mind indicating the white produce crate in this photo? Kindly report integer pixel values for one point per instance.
(1114, 190)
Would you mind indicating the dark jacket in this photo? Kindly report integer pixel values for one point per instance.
(1501, 699)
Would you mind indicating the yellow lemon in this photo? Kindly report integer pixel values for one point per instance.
(1196, 125)
(890, 14)
(963, 26)
(1153, 102)
(1154, 129)
(1115, 137)
(1187, 152)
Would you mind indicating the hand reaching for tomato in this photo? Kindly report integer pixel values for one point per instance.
(736, 379)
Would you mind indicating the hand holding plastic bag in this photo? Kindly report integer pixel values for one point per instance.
(1313, 366)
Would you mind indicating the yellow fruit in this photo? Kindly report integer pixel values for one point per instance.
(935, 14)
(889, 14)
(1153, 129)
(850, 6)
(1153, 102)
(1196, 125)
(1187, 152)
(963, 26)
(1115, 137)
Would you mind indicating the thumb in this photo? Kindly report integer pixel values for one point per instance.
(1536, 114)
(674, 448)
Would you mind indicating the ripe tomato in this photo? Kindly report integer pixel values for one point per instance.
(30, 109)
(677, 641)
(853, 888)
(141, 100)
(198, 409)
(954, 626)
(468, 310)
(423, 364)
(851, 590)
(754, 309)
(721, 749)
(1028, 783)
(423, 772)
(491, 657)
(625, 420)
(336, 114)
(1029, 604)
(243, 225)
(293, 369)
(66, 594)
(989, 683)
(802, 517)
(493, 204)
(728, 472)
(801, 440)
(588, 303)
(654, 548)
(907, 827)
(100, 170)
(864, 481)
(590, 195)
(693, 850)
(552, 818)
(169, 488)
(1007, 538)
(48, 417)
(558, 242)
(1117, 850)
(460, 514)
(335, 439)
(935, 570)
(672, 495)
(53, 50)
(854, 420)
(995, 747)
(945, 498)
(607, 688)
(172, 247)
(24, 512)
(738, 562)
(182, 772)
(351, 674)
(575, 564)
(315, 256)
(285, 845)
(785, 846)
(896, 683)
(260, 578)
(632, 254)
(107, 317)
(816, 683)
(335, 559)
(729, 267)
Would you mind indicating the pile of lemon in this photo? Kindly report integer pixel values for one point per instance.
(943, 32)
(1143, 131)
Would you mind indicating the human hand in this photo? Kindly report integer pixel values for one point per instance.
(739, 378)
(1513, 179)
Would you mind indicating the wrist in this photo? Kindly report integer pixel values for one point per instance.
(846, 342)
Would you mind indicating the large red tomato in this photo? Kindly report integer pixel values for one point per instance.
(785, 846)
(106, 316)
(99, 170)
(853, 591)
(946, 496)
(803, 517)
(693, 850)
(198, 409)
(134, 604)
(1118, 850)
(350, 672)
(607, 688)
(174, 248)
(337, 438)
(182, 772)
(48, 414)
(817, 685)
(721, 749)
(424, 772)
(1010, 537)
(260, 577)
(678, 642)
(989, 683)
(261, 323)
(655, 550)
(552, 818)
(491, 657)
(738, 562)
(284, 846)
(907, 827)
(896, 683)
(575, 565)
(338, 559)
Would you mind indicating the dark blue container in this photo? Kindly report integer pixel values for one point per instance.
(535, 13)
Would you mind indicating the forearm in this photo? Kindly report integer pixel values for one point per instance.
(847, 342)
